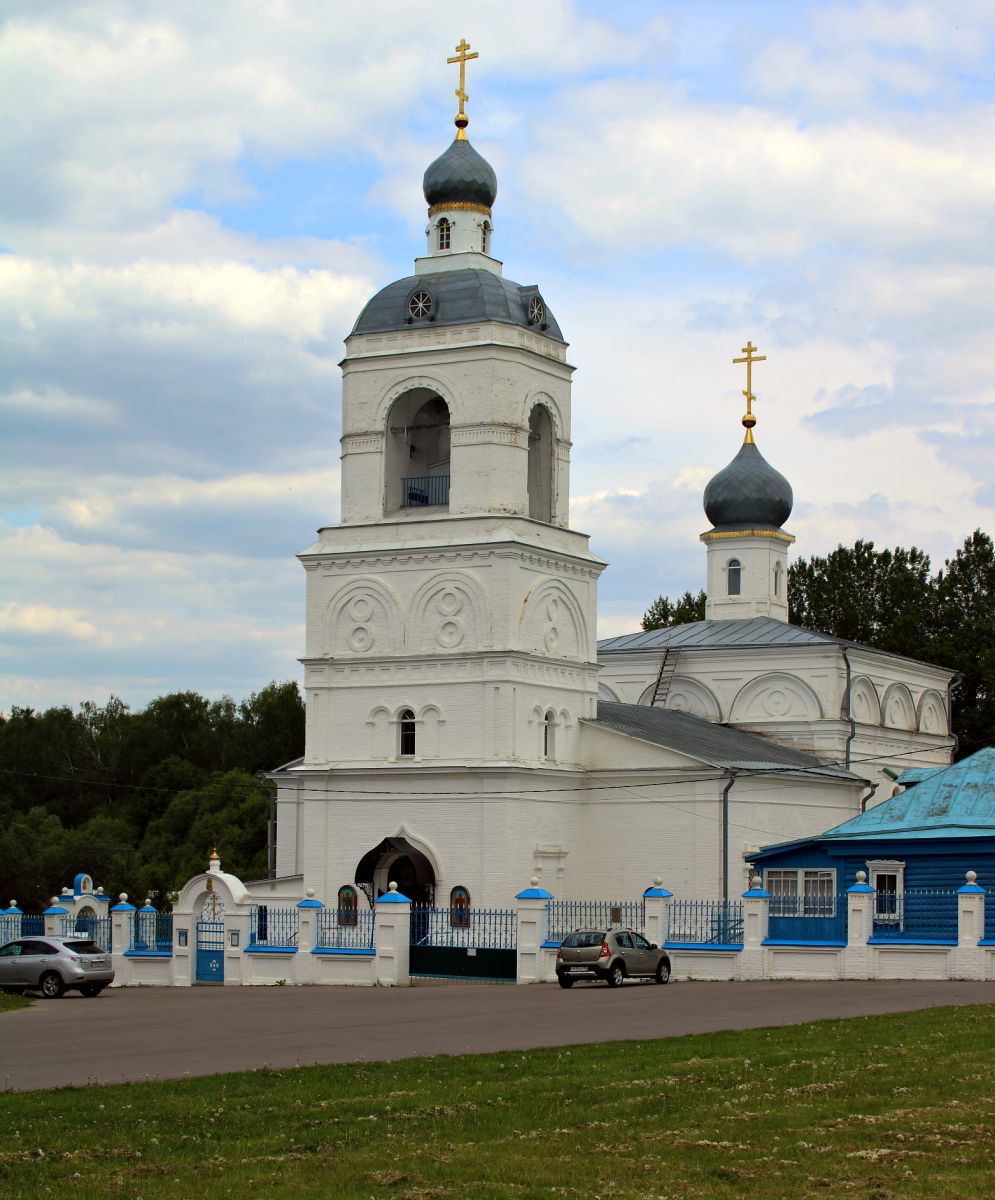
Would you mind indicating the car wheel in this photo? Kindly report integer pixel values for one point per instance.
(51, 986)
(92, 989)
(616, 975)
(564, 981)
(663, 971)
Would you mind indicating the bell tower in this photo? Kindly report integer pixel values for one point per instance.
(451, 615)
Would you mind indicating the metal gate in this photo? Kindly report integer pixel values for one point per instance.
(463, 943)
(98, 929)
(210, 951)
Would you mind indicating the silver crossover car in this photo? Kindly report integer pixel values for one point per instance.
(51, 965)
(611, 955)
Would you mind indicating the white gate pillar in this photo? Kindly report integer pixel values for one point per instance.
(307, 937)
(756, 918)
(53, 918)
(656, 906)
(860, 926)
(531, 931)
(393, 939)
(969, 957)
(122, 916)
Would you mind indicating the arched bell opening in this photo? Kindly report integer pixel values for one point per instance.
(417, 459)
(396, 860)
(540, 465)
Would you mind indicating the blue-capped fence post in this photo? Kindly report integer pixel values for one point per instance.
(531, 933)
(122, 922)
(969, 959)
(393, 939)
(656, 909)
(10, 923)
(756, 915)
(307, 937)
(860, 925)
(53, 917)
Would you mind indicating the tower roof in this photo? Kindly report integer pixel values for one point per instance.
(748, 494)
(460, 176)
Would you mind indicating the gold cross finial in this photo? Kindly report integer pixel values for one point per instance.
(461, 57)
(749, 420)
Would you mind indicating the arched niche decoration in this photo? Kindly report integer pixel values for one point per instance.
(363, 617)
(379, 724)
(450, 611)
(689, 696)
(553, 623)
(931, 713)
(776, 696)
(897, 709)
(865, 707)
(429, 719)
(606, 693)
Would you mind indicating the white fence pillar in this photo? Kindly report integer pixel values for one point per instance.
(122, 915)
(531, 931)
(53, 918)
(860, 925)
(393, 939)
(969, 957)
(656, 906)
(756, 915)
(307, 937)
(238, 964)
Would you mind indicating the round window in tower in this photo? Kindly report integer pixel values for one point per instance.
(537, 311)
(420, 306)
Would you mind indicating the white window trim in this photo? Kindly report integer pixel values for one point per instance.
(799, 877)
(887, 866)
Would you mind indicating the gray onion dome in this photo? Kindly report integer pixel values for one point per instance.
(460, 176)
(748, 494)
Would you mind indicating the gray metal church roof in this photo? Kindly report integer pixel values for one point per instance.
(460, 176)
(757, 631)
(458, 298)
(716, 745)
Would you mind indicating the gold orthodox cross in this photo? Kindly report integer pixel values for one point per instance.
(749, 420)
(461, 57)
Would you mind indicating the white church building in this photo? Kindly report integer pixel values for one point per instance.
(464, 733)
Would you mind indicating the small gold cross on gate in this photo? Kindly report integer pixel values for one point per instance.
(749, 420)
(461, 57)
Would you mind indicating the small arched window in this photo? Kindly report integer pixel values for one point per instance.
(348, 906)
(459, 908)
(485, 237)
(445, 236)
(549, 735)
(734, 573)
(777, 579)
(406, 731)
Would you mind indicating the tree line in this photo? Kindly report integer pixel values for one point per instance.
(137, 798)
(893, 600)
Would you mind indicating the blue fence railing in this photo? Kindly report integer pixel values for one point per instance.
(808, 918)
(275, 928)
(151, 933)
(483, 928)
(418, 491)
(97, 929)
(706, 922)
(989, 933)
(564, 916)
(345, 930)
(909, 916)
(15, 925)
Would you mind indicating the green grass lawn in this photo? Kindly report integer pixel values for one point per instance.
(876, 1108)
(9, 1003)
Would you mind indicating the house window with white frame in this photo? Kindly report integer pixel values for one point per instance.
(887, 878)
(801, 892)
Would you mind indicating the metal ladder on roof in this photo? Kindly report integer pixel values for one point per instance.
(665, 677)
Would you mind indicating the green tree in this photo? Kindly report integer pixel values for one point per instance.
(664, 612)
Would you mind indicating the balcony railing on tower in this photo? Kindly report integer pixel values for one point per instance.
(419, 491)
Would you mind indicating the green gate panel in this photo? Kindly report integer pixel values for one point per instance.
(456, 962)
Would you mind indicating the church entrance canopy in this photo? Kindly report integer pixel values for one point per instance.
(396, 860)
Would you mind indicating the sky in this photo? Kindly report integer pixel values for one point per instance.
(201, 197)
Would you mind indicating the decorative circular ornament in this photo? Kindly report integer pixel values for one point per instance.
(361, 609)
(537, 311)
(420, 306)
(776, 703)
(361, 639)
(552, 638)
(450, 634)
(450, 603)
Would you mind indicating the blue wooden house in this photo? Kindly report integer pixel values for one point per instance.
(915, 847)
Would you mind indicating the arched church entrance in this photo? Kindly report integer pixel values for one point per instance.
(396, 860)
(210, 931)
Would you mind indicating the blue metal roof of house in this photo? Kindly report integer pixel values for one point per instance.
(953, 802)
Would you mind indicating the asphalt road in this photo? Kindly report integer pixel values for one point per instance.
(162, 1033)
